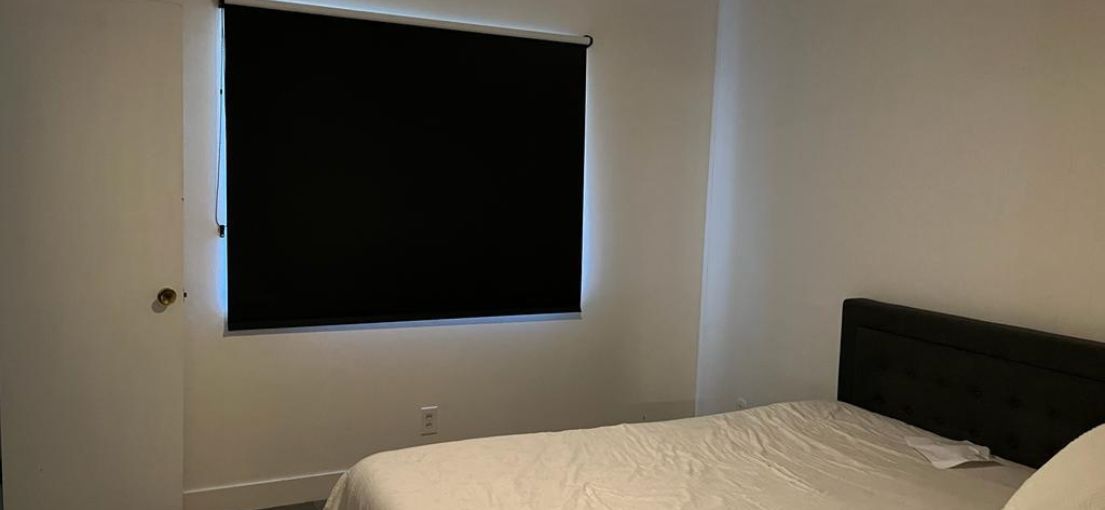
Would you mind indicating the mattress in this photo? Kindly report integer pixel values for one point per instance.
(794, 456)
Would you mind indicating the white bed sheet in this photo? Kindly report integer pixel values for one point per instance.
(795, 456)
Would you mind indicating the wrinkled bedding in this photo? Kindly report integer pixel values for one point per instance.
(819, 455)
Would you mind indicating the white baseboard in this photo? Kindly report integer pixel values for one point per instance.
(262, 493)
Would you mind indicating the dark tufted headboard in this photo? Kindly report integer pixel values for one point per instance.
(1023, 393)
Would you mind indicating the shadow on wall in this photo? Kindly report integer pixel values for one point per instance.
(943, 154)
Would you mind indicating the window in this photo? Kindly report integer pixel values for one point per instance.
(388, 172)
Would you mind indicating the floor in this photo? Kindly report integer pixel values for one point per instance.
(317, 505)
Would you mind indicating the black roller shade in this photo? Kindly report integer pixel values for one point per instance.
(386, 172)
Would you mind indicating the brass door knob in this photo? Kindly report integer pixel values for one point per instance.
(166, 296)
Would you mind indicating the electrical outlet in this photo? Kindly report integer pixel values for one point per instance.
(428, 420)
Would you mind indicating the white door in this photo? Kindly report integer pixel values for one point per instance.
(90, 231)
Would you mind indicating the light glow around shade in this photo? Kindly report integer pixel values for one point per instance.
(461, 321)
(353, 9)
(220, 173)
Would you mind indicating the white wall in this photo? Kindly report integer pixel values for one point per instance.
(945, 154)
(287, 405)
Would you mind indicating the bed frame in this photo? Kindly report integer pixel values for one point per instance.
(1023, 393)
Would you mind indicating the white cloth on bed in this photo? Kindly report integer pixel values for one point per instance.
(817, 455)
(945, 453)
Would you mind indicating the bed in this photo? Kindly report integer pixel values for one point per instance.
(903, 372)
